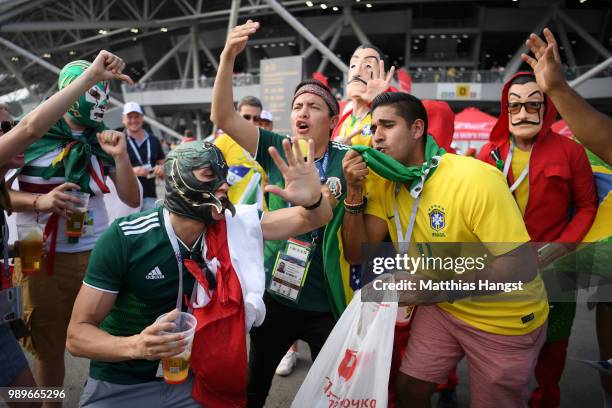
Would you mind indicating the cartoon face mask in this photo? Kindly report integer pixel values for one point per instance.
(89, 109)
(363, 66)
(525, 110)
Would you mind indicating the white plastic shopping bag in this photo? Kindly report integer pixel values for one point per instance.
(352, 369)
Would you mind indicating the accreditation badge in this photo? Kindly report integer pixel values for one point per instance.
(290, 269)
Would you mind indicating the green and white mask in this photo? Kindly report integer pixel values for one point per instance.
(89, 109)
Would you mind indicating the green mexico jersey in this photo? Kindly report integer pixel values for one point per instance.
(134, 259)
(314, 293)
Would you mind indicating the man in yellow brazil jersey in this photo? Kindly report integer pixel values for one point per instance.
(440, 198)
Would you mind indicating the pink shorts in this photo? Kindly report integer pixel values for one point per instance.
(499, 366)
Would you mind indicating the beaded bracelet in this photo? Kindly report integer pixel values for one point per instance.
(356, 208)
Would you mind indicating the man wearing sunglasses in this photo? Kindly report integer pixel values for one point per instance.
(552, 183)
(246, 177)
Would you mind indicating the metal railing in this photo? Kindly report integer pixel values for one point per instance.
(490, 76)
(418, 76)
(239, 80)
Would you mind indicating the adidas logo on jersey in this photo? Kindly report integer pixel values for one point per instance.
(155, 274)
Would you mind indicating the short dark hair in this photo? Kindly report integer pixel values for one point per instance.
(409, 107)
(250, 101)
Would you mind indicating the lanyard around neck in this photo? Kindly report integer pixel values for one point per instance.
(322, 165)
(137, 153)
(507, 165)
(177, 253)
(404, 238)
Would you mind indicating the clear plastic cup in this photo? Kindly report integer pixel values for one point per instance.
(30, 247)
(77, 215)
(176, 368)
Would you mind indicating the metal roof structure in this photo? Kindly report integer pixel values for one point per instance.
(169, 40)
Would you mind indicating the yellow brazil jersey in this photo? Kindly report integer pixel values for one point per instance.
(246, 177)
(520, 160)
(473, 202)
(351, 124)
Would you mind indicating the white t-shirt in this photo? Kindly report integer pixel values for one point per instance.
(97, 215)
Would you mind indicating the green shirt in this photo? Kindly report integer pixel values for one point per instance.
(314, 293)
(134, 259)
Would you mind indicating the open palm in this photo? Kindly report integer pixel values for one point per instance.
(302, 184)
(546, 62)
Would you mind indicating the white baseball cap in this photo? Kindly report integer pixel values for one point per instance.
(265, 115)
(130, 107)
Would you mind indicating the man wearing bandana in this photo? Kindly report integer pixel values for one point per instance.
(424, 195)
(366, 80)
(552, 182)
(305, 308)
(197, 250)
(76, 152)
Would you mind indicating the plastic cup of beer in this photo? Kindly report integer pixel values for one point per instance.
(30, 247)
(176, 368)
(77, 215)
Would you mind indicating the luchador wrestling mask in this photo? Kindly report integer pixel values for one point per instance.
(525, 109)
(189, 196)
(89, 109)
(363, 66)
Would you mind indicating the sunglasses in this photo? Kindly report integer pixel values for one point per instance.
(530, 107)
(253, 117)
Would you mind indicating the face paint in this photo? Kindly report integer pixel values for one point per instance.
(188, 196)
(89, 109)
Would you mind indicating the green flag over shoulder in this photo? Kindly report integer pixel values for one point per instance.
(337, 269)
(74, 160)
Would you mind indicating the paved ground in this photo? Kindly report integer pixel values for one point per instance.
(580, 384)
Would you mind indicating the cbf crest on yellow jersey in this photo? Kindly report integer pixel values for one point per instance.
(466, 201)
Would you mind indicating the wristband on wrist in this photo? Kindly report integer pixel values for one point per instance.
(315, 205)
(356, 208)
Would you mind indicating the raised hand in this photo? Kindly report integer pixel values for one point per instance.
(57, 201)
(546, 62)
(112, 142)
(302, 184)
(378, 85)
(108, 66)
(238, 37)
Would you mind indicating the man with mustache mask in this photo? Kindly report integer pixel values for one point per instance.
(552, 183)
(366, 80)
(197, 246)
